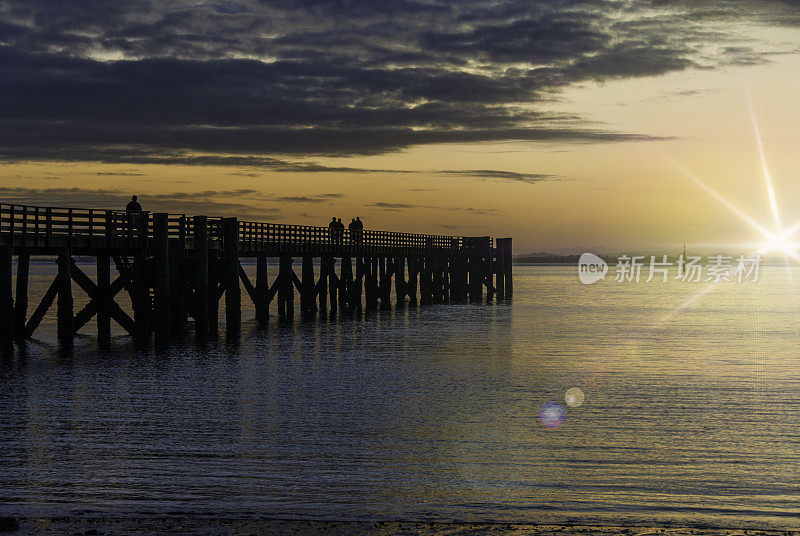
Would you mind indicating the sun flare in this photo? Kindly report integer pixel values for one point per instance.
(780, 244)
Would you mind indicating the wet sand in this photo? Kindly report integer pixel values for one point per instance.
(87, 526)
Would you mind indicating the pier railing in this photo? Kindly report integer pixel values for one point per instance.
(256, 235)
(41, 225)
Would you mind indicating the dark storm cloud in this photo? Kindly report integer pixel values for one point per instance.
(631, 60)
(776, 12)
(534, 39)
(234, 83)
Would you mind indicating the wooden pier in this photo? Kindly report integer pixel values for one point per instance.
(175, 267)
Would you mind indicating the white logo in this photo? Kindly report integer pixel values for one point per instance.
(591, 268)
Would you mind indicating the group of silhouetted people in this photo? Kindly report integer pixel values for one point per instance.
(355, 227)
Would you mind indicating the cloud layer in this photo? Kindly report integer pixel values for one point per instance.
(241, 82)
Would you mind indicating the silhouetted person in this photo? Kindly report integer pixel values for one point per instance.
(359, 227)
(133, 205)
(134, 211)
(352, 226)
(340, 233)
(333, 229)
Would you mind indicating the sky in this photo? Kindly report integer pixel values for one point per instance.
(568, 125)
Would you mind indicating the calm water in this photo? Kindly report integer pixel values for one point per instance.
(432, 413)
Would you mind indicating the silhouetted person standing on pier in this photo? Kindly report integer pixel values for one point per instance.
(333, 229)
(352, 226)
(340, 231)
(133, 205)
(359, 229)
(134, 216)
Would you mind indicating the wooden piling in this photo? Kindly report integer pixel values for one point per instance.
(333, 285)
(425, 282)
(437, 295)
(499, 273)
(457, 290)
(104, 292)
(307, 296)
(6, 302)
(487, 276)
(371, 283)
(346, 284)
(504, 245)
(411, 287)
(358, 284)
(177, 288)
(262, 290)
(140, 296)
(447, 279)
(214, 287)
(366, 276)
(376, 290)
(322, 290)
(230, 276)
(65, 303)
(200, 283)
(441, 284)
(385, 283)
(436, 279)
(161, 279)
(285, 288)
(281, 286)
(21, 296)
(475, 274)
(464, 276)
(452, 279)
(289, 287)
(509, 269)
(400, 281)
(428, 272)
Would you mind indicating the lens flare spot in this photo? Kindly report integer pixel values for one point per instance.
(574, 397)
(552, 415)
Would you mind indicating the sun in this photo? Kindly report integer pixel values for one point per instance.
(780, 244)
